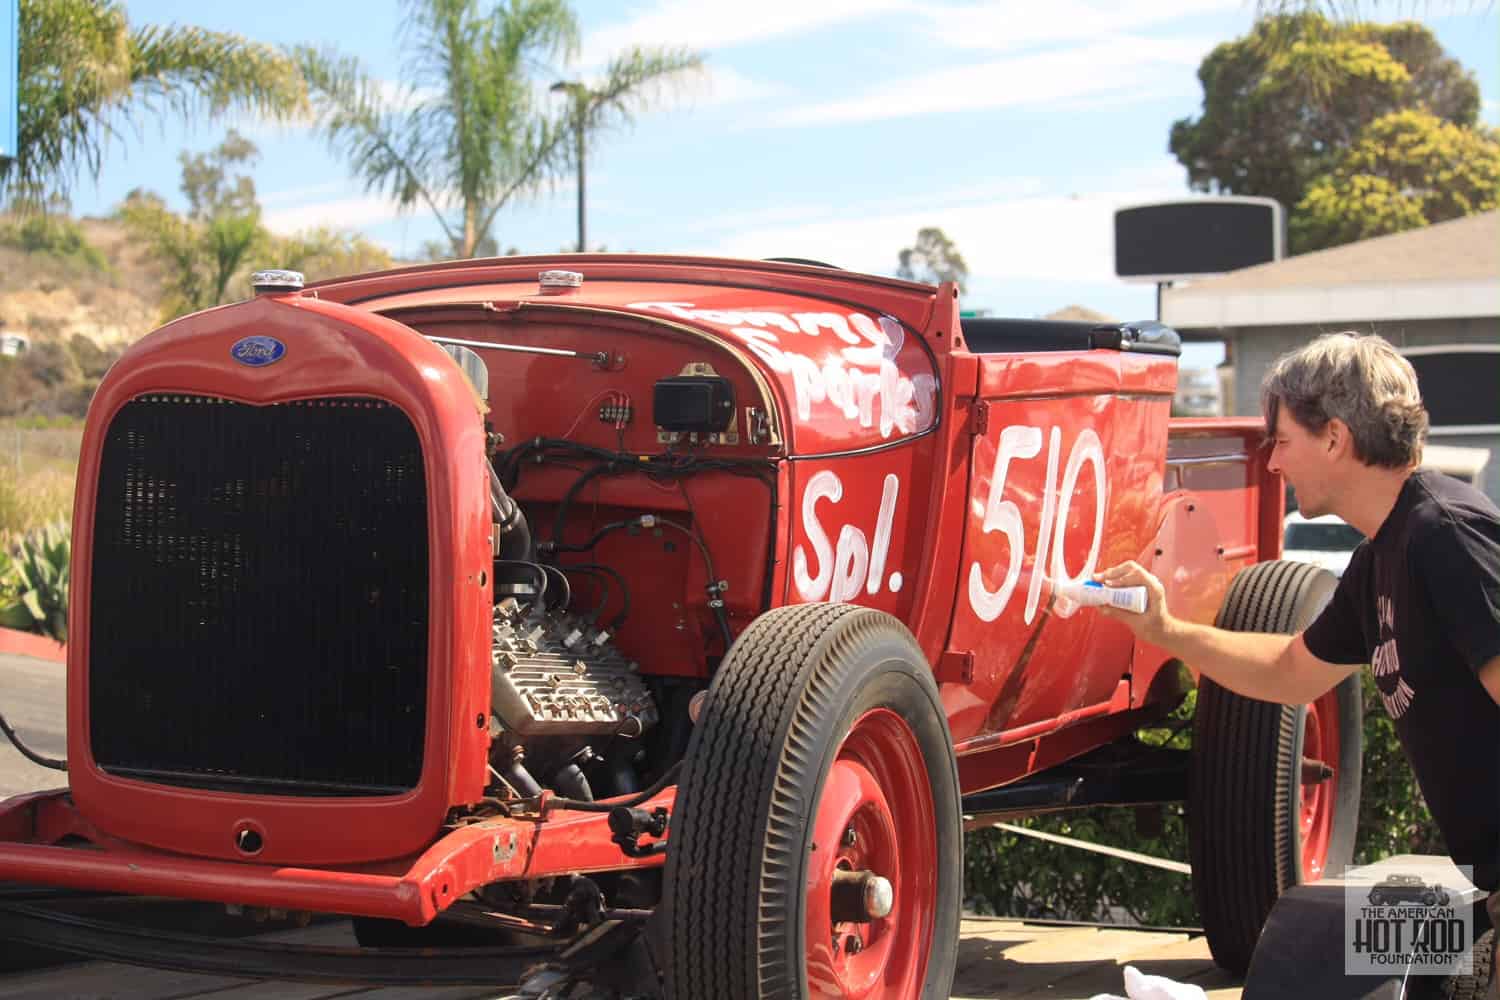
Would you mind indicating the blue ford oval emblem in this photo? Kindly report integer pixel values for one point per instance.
(257, 352)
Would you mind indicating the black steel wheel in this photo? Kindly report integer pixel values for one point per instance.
(1264, 813)
(816, 845)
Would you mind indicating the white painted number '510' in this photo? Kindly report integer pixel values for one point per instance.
(1004, 516)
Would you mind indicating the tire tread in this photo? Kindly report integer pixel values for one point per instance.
(1239, 871)
(758, 732)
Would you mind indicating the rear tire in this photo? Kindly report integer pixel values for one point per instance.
(823, 745)
(1475, 986)
(1254, 828)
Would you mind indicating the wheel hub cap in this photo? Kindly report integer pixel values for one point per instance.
(859, 897)
(1319, 784)
(870, 905)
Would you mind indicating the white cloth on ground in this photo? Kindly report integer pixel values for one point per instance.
(1139, 986)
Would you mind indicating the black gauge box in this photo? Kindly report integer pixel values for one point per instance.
(701, 404)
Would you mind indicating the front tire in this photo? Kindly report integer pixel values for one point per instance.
(823, 746)
(1255, 826)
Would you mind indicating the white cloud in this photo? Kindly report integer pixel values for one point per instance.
(1161, 175)
(996, 189)
(338, 213)
(1117, 70)
(260, 130)
(1030, 236)
(1075, 50)
(295, 196)
(714, 24)
(1010, 26)
(999, 25)
(714, 86)
(724, 85)
(394, 93)
(404, 97)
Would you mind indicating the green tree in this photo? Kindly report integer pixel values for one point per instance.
(469, 133)
(1408, 169)
(1013, 875)
(87, 77)
(209, 252)
(327, 253)
(204, 251)
(1281, 104)
(1393, 816)
(934, 259)
(53, 233)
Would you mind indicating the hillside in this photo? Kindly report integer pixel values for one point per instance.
(51, 298)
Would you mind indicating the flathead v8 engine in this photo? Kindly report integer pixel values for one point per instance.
(557, 675)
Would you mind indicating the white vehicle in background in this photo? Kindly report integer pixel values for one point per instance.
(1326, 541)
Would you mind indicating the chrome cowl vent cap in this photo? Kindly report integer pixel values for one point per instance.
(275, 280)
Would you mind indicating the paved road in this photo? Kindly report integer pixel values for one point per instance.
(997, 960)
(33, 695)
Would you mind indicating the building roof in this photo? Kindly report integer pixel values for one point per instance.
(1078, 314)
(1444, 271)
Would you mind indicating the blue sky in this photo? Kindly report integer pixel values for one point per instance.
(831, 129)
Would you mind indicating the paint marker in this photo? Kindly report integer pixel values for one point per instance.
(1072, 596)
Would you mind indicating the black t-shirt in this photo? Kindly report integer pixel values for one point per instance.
(1420, 602)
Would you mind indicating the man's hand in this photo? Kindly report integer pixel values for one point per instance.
(1155, 623)
(1270, 667)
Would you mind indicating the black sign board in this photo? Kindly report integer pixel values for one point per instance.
(1183, 239)
(1457, 383)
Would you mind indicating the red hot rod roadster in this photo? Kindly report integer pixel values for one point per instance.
(655, 621)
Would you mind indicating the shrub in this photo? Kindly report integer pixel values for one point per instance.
(34, 595)
(53, 380)
(54, 235)
(1013, 875)
(1393, 816)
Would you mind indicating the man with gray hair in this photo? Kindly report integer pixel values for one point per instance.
(1420, 600)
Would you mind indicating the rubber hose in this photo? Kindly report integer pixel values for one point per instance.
(572, 782)
(521, 780)
(515, 531)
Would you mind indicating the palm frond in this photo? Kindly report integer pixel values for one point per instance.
(185, 69)
(385, 144)
(473, 136)
(85, 76)
(636, 79)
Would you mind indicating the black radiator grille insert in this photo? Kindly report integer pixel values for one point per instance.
(259, 605)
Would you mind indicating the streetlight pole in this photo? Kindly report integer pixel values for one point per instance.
(580, 96)
(580, 102)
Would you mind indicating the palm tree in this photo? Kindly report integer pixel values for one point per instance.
(467, 133)
(86, 76)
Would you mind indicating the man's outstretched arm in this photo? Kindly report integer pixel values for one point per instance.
(1269, 667)
(1489, 676)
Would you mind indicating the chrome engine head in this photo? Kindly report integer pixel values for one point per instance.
(556, 675)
